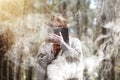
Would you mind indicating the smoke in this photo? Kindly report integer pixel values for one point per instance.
(98, 61)
(26, 31)
(21, 40)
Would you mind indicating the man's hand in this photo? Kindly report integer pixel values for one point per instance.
(55, 38)
(59, 40)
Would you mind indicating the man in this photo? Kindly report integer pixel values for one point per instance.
(61, 54)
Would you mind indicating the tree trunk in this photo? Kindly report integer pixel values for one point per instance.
(78, 22)
(29, 73)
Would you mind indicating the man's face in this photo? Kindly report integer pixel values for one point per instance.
(56, 23)
(56, 26)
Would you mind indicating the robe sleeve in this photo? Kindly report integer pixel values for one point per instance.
(44, 54)
(74, 53)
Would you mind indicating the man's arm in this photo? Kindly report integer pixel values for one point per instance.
(74, 51)
(44, 53)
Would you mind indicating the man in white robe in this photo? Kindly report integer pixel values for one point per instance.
(67, 64)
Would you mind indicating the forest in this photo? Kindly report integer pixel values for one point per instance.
(96, 23)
